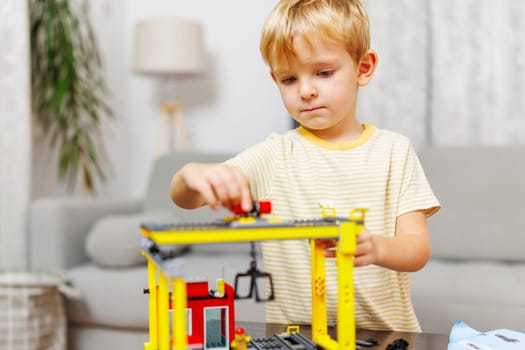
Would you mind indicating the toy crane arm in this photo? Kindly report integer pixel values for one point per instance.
(254, 275)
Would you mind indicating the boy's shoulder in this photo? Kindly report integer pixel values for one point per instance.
(288, 136)
(391, 143)
(391, 137)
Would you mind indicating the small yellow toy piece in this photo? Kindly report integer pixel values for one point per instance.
(219, 293)
(327, 209)
(292, 329)
(241, 340)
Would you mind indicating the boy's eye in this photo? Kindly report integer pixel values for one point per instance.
(287, 80)
(326, 72)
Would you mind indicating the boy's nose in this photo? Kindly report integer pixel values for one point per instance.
(307, 90)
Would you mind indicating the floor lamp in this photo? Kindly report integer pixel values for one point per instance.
(170, 49)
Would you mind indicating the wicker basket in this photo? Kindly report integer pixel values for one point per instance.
(32, 314)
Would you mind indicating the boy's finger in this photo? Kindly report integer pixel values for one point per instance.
(246, 199)
(329, 252)
(208, 194)
(221, 190)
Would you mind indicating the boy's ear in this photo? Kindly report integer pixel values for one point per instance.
(366, 67)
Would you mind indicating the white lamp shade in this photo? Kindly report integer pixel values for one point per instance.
(169, 47)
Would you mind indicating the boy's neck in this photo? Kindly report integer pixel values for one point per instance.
(349, 143)
(346, 133)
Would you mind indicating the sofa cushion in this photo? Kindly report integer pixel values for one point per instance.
(481, 190)
(109, 297)
(486, 295)
(114, 241)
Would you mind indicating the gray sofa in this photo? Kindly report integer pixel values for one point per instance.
(476, 273)
(477, 270)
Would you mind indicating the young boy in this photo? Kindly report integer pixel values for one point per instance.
(319, 55)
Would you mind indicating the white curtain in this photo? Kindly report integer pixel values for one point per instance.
(396, 98)
(478, 71)
(15, 133)
(450, 71)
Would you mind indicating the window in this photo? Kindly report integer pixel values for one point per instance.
(216, 328)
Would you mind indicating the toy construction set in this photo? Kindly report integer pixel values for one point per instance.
(191, 315)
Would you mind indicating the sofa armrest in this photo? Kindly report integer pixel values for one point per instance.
(58, 227)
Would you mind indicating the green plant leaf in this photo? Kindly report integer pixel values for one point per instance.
(69, 94)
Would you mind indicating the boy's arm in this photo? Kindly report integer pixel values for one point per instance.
(408, 251)
(218, 184)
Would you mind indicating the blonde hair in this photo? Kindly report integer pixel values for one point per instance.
(344, 22)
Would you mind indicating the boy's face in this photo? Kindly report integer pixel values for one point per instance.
(319, 87)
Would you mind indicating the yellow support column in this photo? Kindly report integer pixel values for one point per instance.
(153, 343)
(319, 311)
(345, 308)
(345, 264)
(163, 317)
(319, 316)
(179, 313)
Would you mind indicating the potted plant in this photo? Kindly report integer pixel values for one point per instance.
(69, 94)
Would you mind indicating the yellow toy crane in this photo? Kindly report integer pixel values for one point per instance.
(163, 275)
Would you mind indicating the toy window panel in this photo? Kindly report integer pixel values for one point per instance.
(216, 328)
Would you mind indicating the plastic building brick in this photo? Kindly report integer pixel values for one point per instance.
(291, 340)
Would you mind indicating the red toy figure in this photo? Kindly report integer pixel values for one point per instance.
(241, 340)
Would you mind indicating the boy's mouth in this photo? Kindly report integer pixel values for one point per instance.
(311, 109)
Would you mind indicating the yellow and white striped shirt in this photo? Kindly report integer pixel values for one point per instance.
(297, 170)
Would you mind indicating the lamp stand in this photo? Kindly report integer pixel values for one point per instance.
(171, 123)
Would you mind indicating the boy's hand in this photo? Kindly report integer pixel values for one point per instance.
(365, 250)
(366, 253)
(408, 251)
(215, 184)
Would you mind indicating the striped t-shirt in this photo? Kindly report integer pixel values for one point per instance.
(297, 170)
